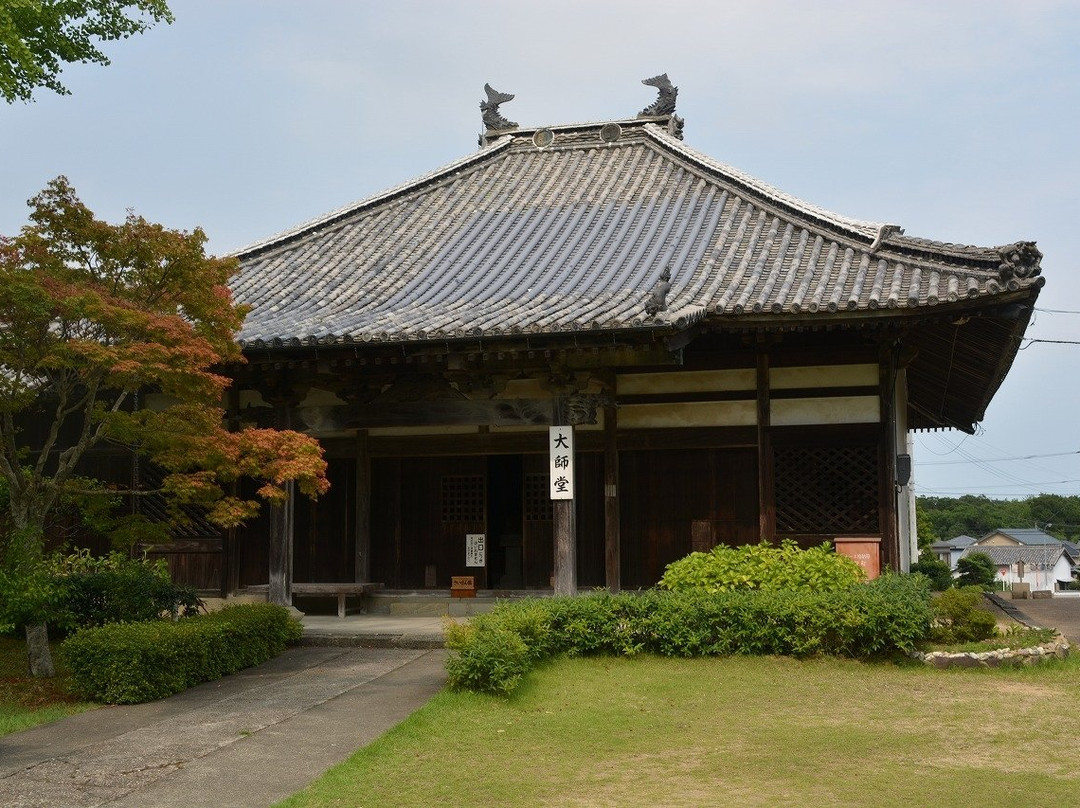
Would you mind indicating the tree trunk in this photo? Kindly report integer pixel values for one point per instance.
(38, 655)
(26, 550)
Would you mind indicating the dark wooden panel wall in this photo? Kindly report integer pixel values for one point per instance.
(664, 492)
(324, 539)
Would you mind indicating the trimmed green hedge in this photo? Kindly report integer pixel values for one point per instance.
(129, 663)
(493, 651)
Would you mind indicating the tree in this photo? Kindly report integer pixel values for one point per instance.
(38, 36)
(94, 315)
(977, 569)
(937, 571)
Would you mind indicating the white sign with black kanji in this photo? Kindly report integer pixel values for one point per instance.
(561, 463)
(475, 549)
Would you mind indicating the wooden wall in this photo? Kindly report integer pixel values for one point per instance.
(664, 492)
(422, 508)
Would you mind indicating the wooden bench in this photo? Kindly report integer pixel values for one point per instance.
(342, 590)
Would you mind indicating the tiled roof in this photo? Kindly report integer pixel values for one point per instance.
(1025, 535)
(953, 544)
(522, 239)
(1040, 556)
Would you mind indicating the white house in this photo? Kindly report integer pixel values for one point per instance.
(1028, 556)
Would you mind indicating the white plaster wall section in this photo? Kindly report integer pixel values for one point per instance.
(688, 414)
(830, 410)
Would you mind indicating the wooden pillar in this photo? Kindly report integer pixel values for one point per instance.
(887, 516)
(362, 567)
(281, 535)
(565, 535)
(766, 476)
(612, 561)
(565, 527)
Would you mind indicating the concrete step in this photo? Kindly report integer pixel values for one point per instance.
(432, 607)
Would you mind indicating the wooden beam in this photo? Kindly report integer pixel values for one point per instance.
(890, 543)
(362, 565)
(565, 528)
(766, 476)
(612, 542)
(589, 440)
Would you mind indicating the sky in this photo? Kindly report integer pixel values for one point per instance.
(957, 120)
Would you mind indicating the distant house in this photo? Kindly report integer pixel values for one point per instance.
(949, 550)
(1028, 555)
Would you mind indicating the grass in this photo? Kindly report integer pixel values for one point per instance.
(25, 701)
(753, 731)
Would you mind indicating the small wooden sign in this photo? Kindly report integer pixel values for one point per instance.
(463, 586)
(561, 461)
(864, 551)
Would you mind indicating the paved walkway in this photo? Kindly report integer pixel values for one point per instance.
(1060, 613)
(249, 739)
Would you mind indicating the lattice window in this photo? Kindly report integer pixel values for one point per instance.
(827, 489)
(537, 498)
(463, 498)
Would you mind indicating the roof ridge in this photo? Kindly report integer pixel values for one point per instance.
(858, 227)
(495, 146)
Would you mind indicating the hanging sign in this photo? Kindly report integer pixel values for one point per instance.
(561, 461)
(475, 550)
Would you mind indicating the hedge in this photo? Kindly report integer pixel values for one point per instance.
(129, 663)
(492, 652)
(763, 566)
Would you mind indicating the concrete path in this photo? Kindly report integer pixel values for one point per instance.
(246, 740)
(1060, 613)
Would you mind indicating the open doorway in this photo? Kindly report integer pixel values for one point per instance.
(504, 519)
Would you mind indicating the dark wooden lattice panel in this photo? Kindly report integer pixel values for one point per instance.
(463, 498)
(537, 498)
(827, 489)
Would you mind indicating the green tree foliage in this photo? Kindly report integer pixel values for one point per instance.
(945, 517)
(977, 569)
(936, 571)
(38, 37)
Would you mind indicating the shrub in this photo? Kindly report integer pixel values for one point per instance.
(489, 659)
(977, 569)
(128, 663)
(117, 589)
(937, 572)
(959, 617)
(493, 651)
(763, 566)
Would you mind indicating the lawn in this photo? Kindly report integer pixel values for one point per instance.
(25, 701)
(756, 731)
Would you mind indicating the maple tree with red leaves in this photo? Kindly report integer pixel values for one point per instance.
(93, 315)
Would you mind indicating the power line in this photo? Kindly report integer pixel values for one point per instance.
(993, 459)
(930, 492)
(1057, 311)
(1031, 341)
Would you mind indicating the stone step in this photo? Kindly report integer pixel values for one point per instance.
(432, 607)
